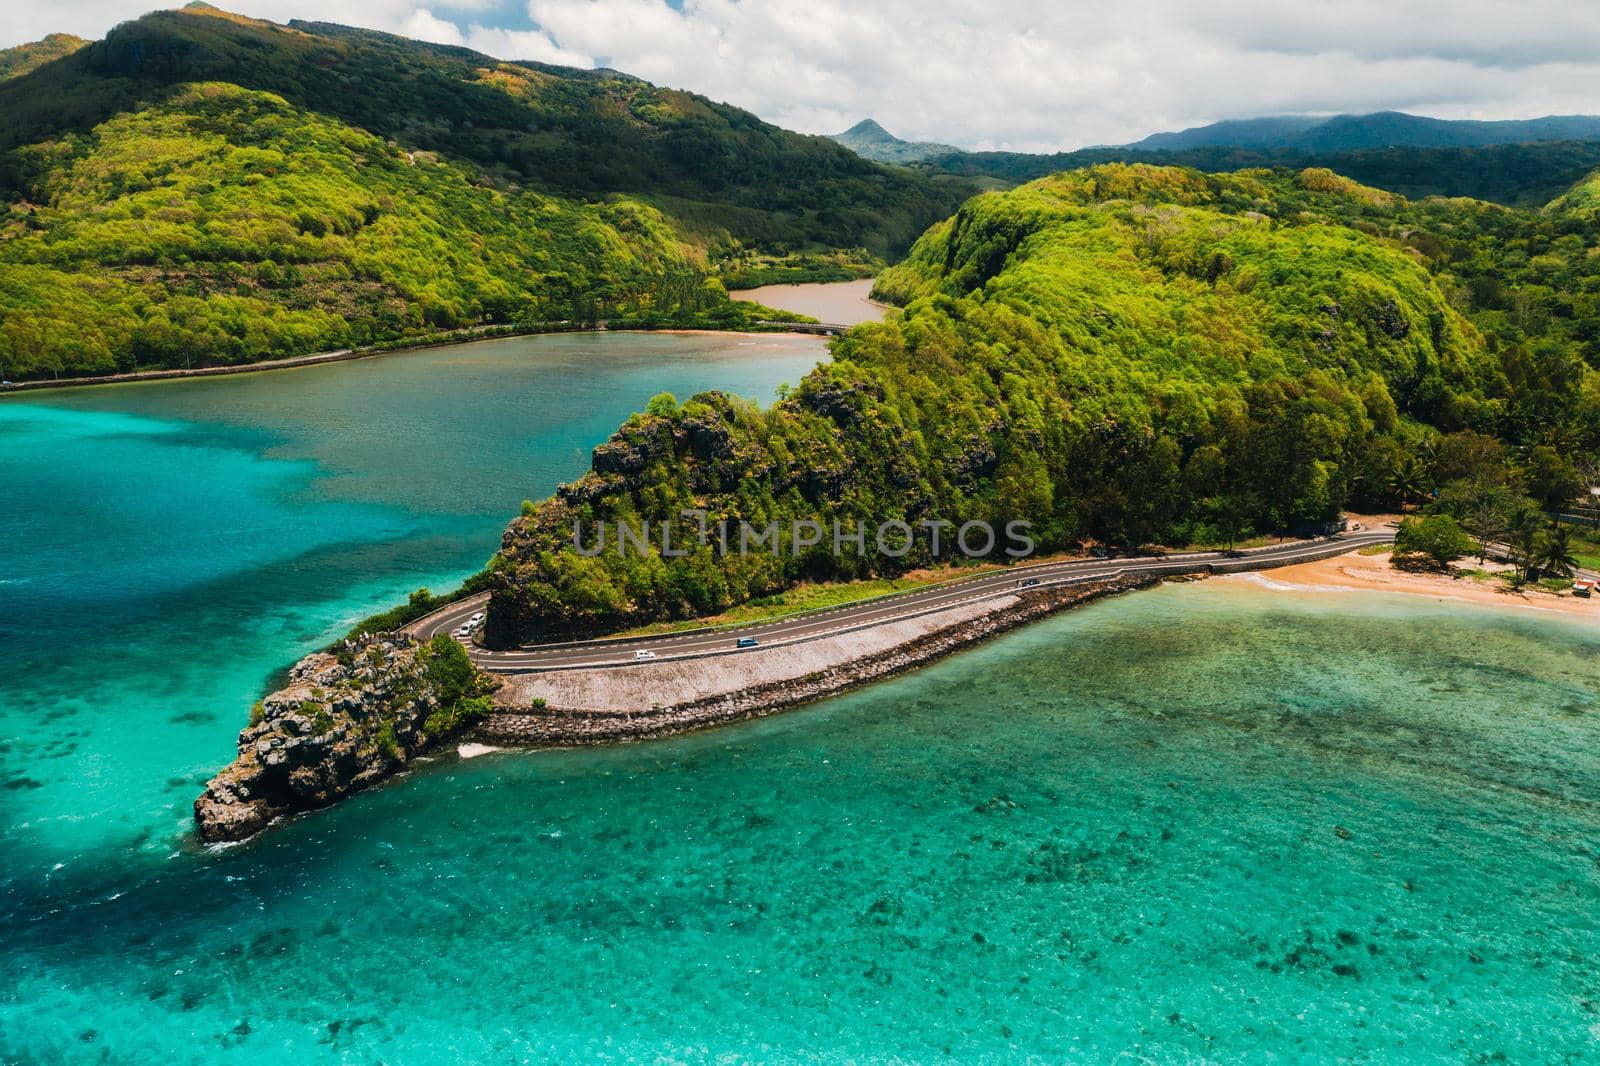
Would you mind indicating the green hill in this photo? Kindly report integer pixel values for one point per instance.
(1123, 353)
(201, 189)
(1521, 175)
(15, 62)
(720, 171)
(1581, 203)
(228, 225)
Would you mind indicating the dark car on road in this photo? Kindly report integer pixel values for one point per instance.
(747, 642)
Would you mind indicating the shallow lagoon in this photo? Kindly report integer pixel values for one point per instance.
(1197, 823)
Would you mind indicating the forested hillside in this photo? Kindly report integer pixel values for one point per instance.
(15, 62)
(576, 133)
(1578, 207)
(1125, 354)
(226, 226)
(1523, 175)
(203, 189)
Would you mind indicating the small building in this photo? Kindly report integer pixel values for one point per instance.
(1583, 588)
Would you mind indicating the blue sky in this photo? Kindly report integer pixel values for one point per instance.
(1012, 74)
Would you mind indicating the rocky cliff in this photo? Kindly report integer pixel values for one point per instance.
(347, 719)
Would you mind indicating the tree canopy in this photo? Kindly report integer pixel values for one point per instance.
(1122, 354)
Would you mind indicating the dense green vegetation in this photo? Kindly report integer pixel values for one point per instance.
(15, 62)
(226, 224)
(721, 172)
(1578, 206)
(204, 189)
(1435, 540)
(1122, 354)
(462, 691)
(749, 270)
(1523, 175)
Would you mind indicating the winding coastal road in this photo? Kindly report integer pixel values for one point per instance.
(620, 651)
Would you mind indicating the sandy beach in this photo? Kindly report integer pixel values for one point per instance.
(1372, 573)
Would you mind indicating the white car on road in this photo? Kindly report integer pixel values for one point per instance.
(643, 656)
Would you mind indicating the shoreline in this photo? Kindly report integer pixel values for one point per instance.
(346, 355)
(1372, 573)
(515, 724)
(315, 741)
(596, 707)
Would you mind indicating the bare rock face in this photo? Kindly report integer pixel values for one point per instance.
(346, 720)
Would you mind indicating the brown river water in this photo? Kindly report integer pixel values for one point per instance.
(843, 302)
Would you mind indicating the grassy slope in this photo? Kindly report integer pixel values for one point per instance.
(1581, 202)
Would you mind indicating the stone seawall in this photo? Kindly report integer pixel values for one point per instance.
(571, 726)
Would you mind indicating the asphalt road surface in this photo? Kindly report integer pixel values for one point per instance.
(610, 652)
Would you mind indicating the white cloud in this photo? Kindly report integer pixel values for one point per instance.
(1040, 76)
(523, 45)
(423, 26)
(1014, 73)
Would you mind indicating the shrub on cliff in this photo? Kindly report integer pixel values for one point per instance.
(460, 688)
(342, 722)
(457, 716)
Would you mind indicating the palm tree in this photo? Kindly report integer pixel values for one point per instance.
(1555, 552)
(1409, 482)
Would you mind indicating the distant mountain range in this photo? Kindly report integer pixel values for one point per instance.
(1524, 162)
(1299, 133)
(1381, 129)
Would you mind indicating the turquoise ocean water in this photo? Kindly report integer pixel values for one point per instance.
(1210, 822)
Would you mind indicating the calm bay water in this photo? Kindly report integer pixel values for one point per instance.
(1195, 824)
(169, 546)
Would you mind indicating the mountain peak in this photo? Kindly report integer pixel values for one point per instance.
(870, 140)
(869, 128)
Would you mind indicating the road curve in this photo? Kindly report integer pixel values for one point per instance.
(613, 651)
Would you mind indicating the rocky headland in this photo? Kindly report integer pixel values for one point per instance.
(361, 712)
(347, 719)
